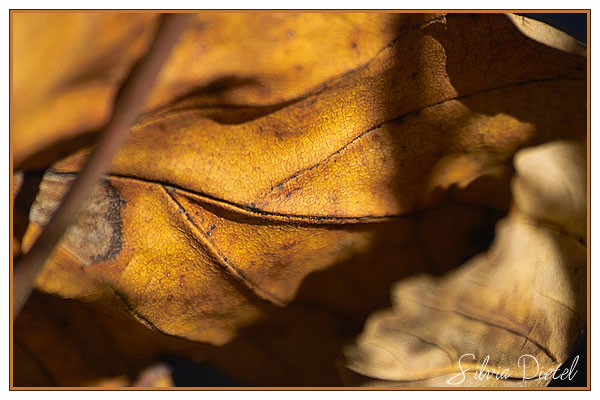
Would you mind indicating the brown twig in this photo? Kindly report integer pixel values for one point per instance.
(126, 110)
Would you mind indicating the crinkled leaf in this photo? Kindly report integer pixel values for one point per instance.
(255, 200)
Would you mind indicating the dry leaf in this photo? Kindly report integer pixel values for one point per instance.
(67, 343)
(255, 200)
(243, 60)
(509, 317)
(67, 68)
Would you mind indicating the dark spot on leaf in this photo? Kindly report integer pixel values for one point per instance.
(96, 234)
(213, 226)
(287, 246)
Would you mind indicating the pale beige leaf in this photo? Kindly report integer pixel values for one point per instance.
(521, 305)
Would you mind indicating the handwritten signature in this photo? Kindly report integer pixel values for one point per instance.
(526, 364)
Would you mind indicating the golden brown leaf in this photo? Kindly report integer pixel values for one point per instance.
(254, 195)
(238, 59)
(67, 68)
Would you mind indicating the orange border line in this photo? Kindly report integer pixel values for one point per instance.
(252, 388)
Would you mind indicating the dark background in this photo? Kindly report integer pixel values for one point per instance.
(573, 24)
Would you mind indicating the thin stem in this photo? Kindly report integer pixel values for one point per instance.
(126, 110)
